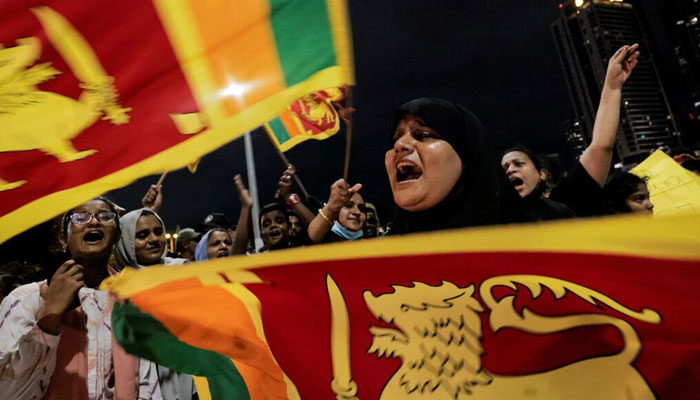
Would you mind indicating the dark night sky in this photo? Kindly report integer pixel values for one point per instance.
(496, 58)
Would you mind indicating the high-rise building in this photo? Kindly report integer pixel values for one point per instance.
(575, 140)
(587, 34)
(681, 19)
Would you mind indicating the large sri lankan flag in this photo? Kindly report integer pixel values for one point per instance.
(590, 309)
(96, 94)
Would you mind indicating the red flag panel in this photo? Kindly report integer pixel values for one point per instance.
(297, 319)
(129, 42)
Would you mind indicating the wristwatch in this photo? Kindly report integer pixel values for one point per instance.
(293, 199)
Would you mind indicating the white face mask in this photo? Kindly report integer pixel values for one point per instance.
(344, 233)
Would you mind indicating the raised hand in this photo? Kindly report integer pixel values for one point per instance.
(153, 198)
(284, 185)
(621, 65)
(341, 192)
(243, 194)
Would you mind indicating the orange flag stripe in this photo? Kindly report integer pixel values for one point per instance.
(287, 118)
(230, 330)
(247, 58)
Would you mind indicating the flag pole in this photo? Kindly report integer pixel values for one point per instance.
(252, 188)
(286, 163)
(162, 178)
(348, 135)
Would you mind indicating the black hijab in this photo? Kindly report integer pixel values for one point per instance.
(477, 197)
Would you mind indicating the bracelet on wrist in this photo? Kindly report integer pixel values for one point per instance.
(293, 199)
(324, 216)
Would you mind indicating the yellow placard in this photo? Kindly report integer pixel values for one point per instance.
(674, 190)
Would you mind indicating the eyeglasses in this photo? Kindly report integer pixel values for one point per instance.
(84, 218)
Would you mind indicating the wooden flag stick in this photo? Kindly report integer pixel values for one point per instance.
(348, 135)
(162, 177)
(286, 163)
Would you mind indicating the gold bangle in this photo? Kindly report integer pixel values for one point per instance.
(324, 216)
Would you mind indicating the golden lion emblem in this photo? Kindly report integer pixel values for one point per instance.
(437, 338)
(33, 119)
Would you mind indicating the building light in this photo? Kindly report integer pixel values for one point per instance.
(693, 20)
(680, 22)
(578, 3)
(561, 5)
(643, 136)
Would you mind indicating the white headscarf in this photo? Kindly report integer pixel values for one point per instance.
(125, 250)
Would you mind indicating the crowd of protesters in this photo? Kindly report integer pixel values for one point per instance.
(55, 334)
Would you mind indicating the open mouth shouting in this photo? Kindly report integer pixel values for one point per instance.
(93, 237)
(517, 183)
(407, 171)
(275, 235)
(222, 253)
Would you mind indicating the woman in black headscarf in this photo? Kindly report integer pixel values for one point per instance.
(441, 169)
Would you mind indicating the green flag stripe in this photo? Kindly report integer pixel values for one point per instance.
(308, 19)
(276, 127)
(144, 336)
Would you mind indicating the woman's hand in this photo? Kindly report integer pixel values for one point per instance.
(341, 192)
(621, 65)
(243, 194)
(60, 294)
(153, 198)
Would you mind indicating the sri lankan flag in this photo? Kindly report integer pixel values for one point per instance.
(95, 95)
(589, 309)
(312, 116)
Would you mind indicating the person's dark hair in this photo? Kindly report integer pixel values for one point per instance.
(291, 213)
(110, 204)
(539, 163)
(691, 165)
(619, 187)
(212, 230)
(273, 207)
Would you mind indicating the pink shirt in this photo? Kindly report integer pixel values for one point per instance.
(83, 362)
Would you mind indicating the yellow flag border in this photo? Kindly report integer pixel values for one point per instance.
(631, 235)
(170, 159)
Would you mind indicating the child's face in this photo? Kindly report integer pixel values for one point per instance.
(638, 201)
(273, 227)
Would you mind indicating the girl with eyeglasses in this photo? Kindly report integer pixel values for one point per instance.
(55, 337)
